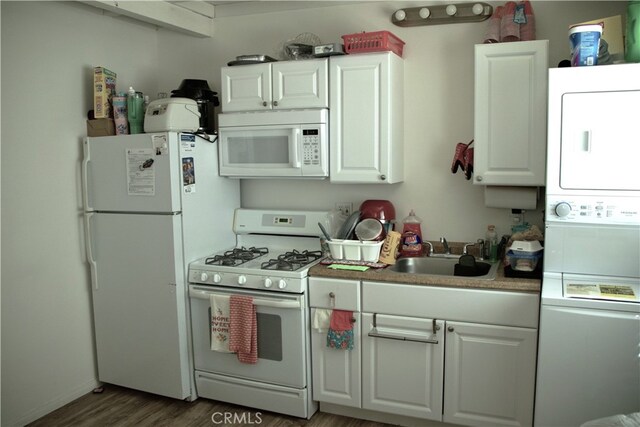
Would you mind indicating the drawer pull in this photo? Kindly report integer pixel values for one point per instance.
(376, 334)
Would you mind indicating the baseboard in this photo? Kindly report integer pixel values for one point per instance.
(381, 417)
(54, 404)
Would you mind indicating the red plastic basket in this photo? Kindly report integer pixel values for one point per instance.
(376, 41)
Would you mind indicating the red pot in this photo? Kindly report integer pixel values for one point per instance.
(382, 210)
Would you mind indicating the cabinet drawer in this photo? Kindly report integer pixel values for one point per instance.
(334, 293)
(466, 305)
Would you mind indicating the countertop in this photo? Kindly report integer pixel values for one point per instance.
(501, 282)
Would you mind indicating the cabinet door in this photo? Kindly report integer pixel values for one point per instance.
(511, 113)
(489, 375)
(402, 365)
(246, 88)
(366, 110)
(300, 84)
(336, 373)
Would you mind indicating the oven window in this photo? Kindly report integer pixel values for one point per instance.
(269, 336)
(264, 149)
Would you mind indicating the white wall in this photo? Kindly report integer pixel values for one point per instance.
(438, 103)
(48, 49)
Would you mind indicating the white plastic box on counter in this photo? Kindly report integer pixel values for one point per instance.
(355, 250)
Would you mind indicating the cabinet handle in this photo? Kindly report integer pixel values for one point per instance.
(275, 103)
(450, 329)
(383, 177)
(264, 103)
(478, 178)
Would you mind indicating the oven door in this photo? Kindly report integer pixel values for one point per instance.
(281, 337)
(255, 151)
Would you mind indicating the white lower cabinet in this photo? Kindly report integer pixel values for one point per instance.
(489, 375)
(402, 365)
(471, 363)
(336, 373)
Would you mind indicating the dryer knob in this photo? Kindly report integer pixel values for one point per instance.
(204, 277)
(242, 280)
(267, 283)
(563, 209)
(282, 284)
(217, 278)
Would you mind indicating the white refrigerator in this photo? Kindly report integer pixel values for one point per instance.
(153, 203)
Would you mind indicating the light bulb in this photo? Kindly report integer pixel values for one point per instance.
(477, 9)
(424, 13)
(400, 15)
(451, 9)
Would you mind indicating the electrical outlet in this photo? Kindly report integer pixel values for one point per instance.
(345, 208)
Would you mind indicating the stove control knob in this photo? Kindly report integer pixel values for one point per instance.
(267, 283)
(563, 209)
(282, 284)
(242, 280)
(217, 278)
(204, 277)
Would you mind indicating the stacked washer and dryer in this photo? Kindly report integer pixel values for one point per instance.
(589, 345)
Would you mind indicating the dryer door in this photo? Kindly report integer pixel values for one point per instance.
(600, 141)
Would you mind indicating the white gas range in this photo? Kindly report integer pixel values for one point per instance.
(270, 263)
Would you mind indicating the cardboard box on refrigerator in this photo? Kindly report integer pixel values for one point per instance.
(104, 87)
(101, 127)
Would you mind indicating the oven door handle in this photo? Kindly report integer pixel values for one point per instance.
(275, 303)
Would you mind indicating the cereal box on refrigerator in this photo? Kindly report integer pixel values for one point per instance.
(104, 87)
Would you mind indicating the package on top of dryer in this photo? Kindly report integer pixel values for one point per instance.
(172, 114)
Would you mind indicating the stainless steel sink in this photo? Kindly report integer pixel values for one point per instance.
(445, 267)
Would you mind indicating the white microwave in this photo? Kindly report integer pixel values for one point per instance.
(274, 144)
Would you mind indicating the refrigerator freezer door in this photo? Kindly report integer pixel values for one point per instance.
(139, 302)
(133, 173)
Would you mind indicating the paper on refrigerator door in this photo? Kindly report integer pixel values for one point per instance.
(141, 175)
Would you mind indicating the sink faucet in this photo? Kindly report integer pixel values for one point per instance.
(445, 244)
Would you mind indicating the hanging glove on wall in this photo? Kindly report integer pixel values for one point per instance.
(463, 159)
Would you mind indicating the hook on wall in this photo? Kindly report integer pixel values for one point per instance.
(449, 14)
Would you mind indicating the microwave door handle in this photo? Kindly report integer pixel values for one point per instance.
(295, 152)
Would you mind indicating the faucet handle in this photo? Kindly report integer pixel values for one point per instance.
(465, 248)
(425, 242)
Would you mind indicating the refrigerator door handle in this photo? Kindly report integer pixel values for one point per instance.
(89, 249)
(85, 182)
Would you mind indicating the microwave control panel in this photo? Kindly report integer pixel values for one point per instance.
(311, 147)
(598, 210)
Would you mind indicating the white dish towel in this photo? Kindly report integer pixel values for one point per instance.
(219, 323)
(320, 319)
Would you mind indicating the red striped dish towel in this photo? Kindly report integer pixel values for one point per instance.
(243, 329)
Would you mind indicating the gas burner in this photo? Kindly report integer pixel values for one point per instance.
(291, 260)
(236, 256)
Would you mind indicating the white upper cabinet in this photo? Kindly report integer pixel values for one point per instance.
(511, 113)
(275, 86)
(366, 116)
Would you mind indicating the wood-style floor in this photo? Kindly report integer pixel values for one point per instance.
(118, 406)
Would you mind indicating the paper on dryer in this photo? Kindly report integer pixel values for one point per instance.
(601, 291)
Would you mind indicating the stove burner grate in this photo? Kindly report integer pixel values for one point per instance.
(236, 256)
(291, 260)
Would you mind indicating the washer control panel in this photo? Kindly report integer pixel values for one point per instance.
(599, 210)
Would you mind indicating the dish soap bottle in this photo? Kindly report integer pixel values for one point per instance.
(491, 243)
(411, 236)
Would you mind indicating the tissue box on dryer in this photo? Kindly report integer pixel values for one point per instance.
(104, 86)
